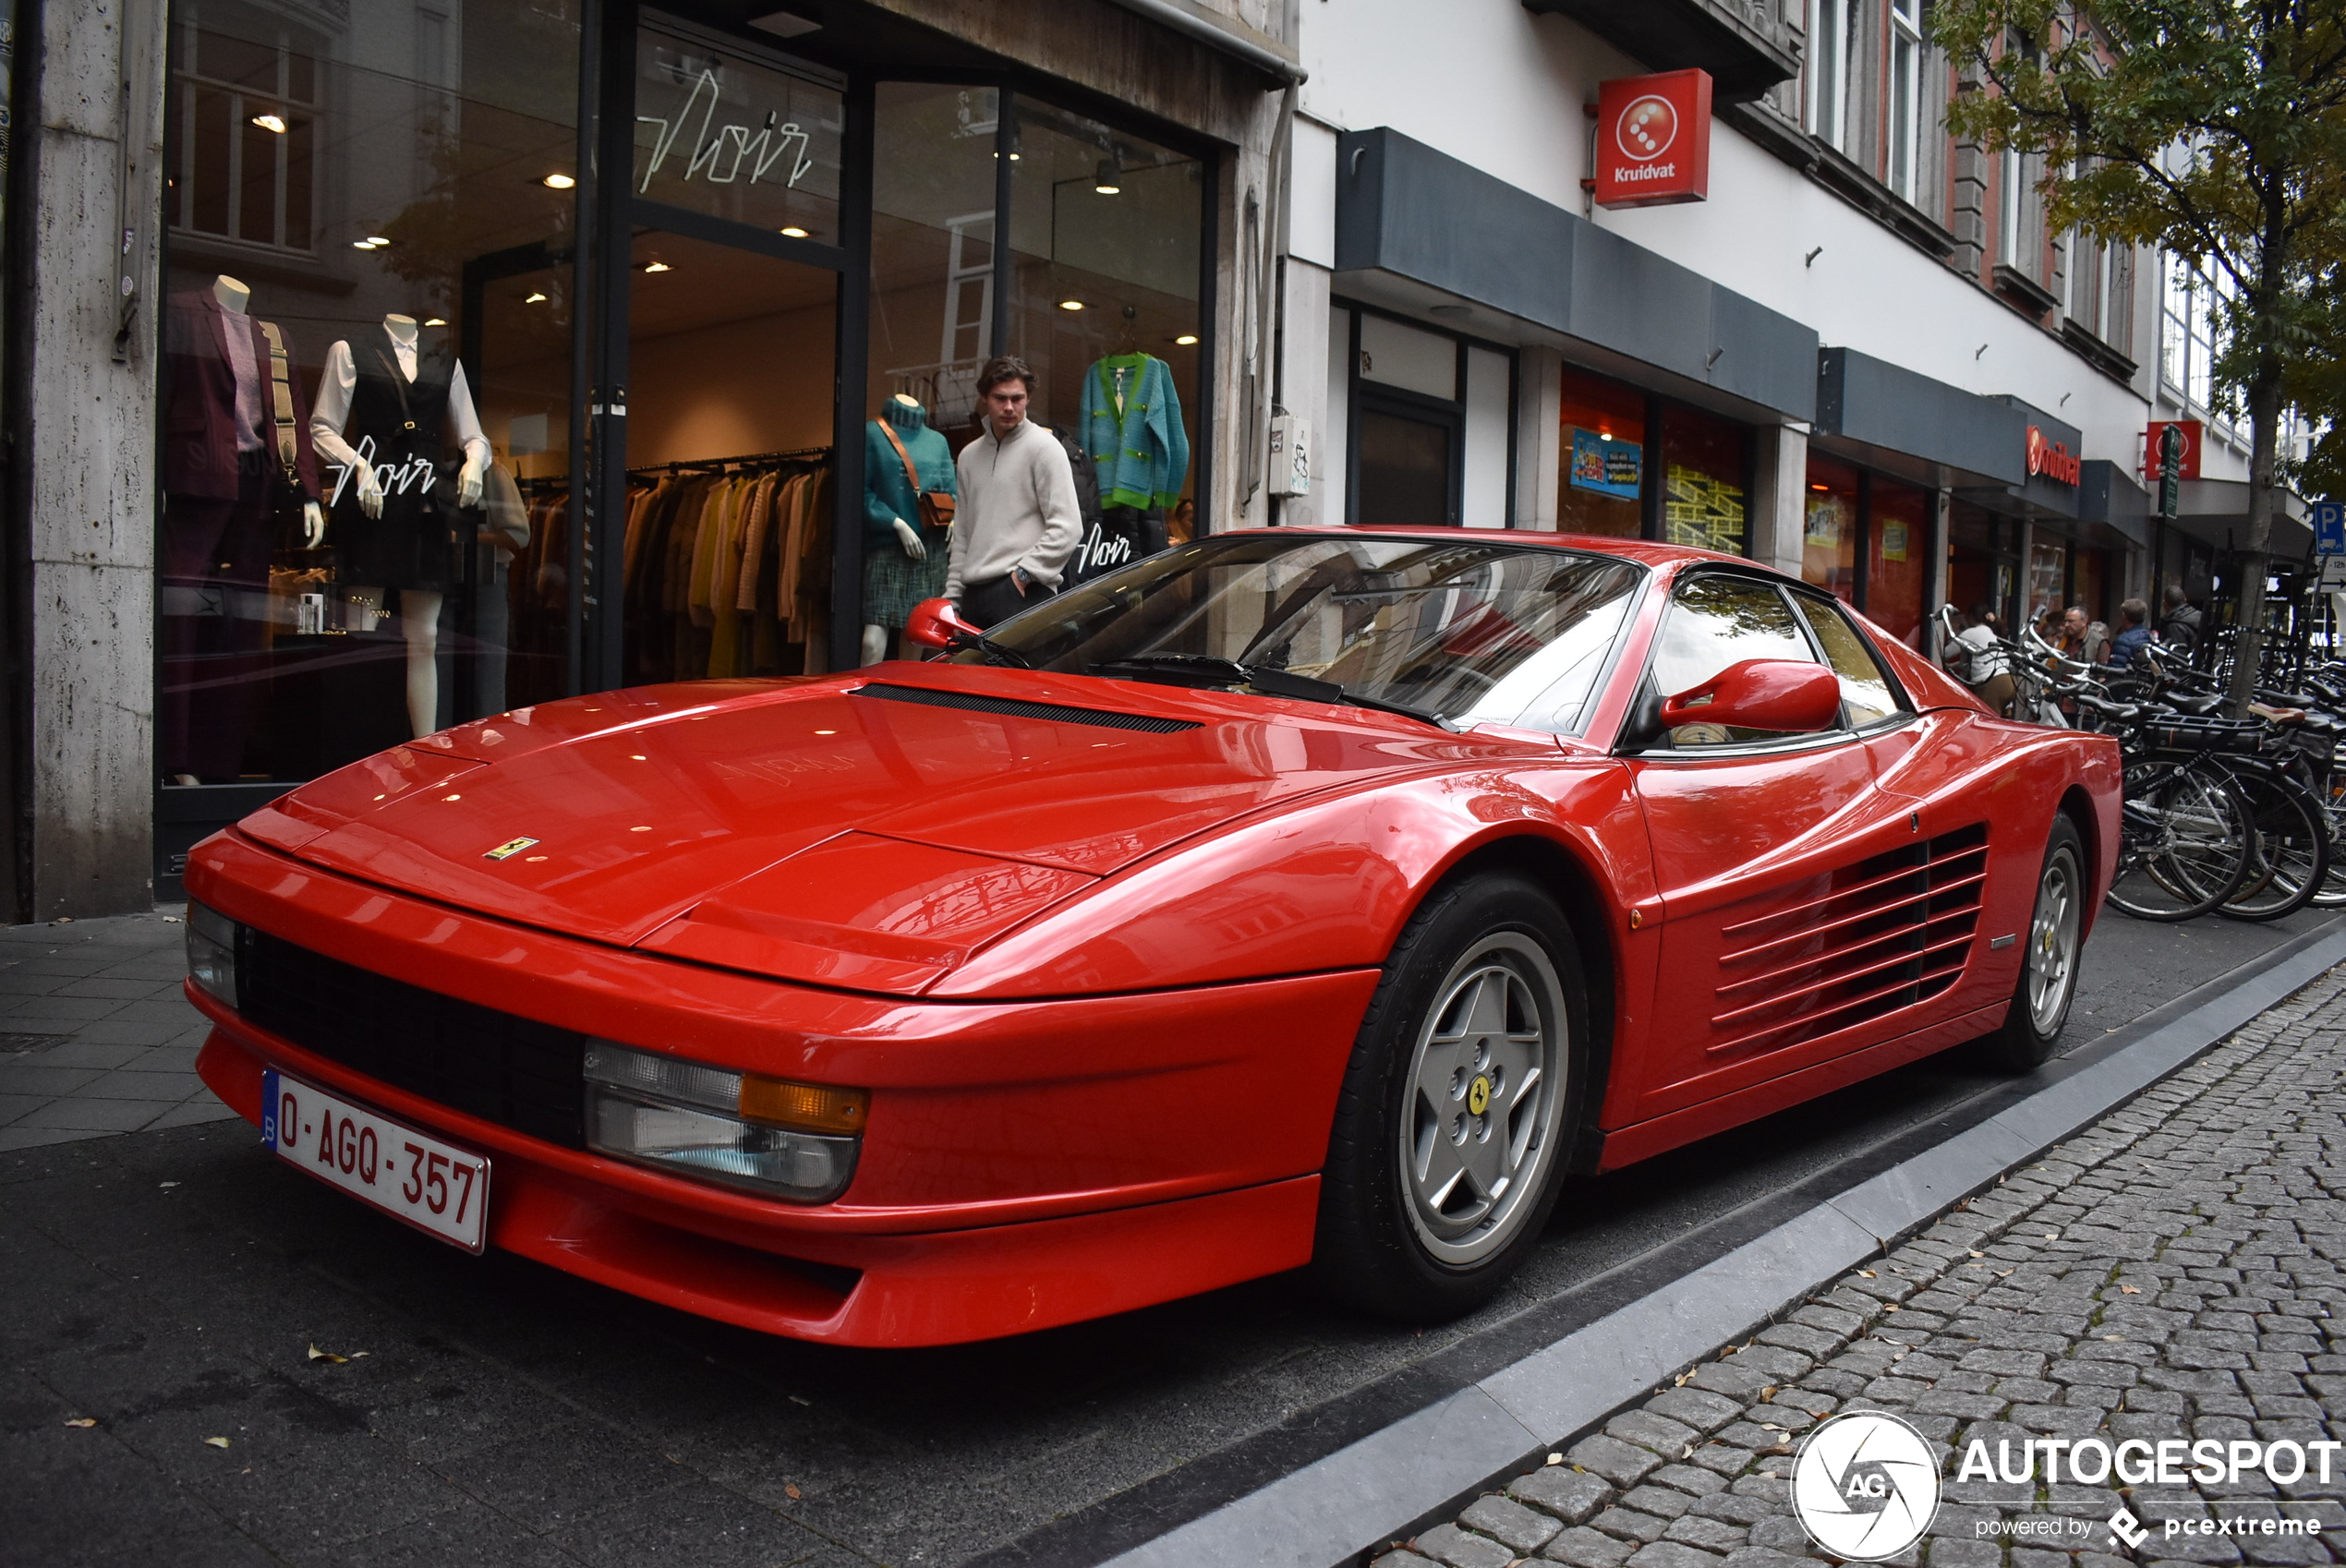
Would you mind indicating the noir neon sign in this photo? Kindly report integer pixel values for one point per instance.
(718, 157)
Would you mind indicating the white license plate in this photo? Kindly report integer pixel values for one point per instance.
(411, 1176)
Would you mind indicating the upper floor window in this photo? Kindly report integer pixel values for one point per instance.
(247, 136)
(2187, 329)
(1834, 58)
(1905, 98)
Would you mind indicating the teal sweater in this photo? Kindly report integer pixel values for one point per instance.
(888, 495)
(1138, 446)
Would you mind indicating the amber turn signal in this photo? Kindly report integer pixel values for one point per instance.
(810, 1106)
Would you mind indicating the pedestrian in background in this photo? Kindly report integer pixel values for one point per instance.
(1020, 517)
(2084, 638)
(1980, 662)
(2133, 635)
(2180, 626)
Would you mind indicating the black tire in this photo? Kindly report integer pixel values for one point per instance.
(1394, 1238)
(2025, 1041)
(2291, 844)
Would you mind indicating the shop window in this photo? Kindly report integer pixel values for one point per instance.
(1980, 569)
(386, 231)
(1706, 461)
(1408, 462)
(1603, 442)
(1898, 558)
(1105, 231)
(2093, 583)
(931, 330)
(1829, 526)
(2048, 581)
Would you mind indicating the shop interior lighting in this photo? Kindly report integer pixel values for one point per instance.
(371, 242)
(1110, 180)
(558, 182)
(437, 321)
(1820, 488)
(793, 232)
(535, 300)
(269, 122)
(1071, 304)
(657, 266)
(1186, 339)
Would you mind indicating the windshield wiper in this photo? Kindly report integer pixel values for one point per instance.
(988, 649)
(1206, 669)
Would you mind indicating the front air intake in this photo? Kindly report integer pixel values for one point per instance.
(1884, 934)
(1016, 708)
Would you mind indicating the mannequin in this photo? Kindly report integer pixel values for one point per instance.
(387, 517)
(227, 478)
(905, 560)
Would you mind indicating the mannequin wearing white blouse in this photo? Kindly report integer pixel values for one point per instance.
(330, 413)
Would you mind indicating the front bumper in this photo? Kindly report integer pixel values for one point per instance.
(1026, 1165)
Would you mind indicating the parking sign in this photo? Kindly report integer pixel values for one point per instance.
(2328, 518)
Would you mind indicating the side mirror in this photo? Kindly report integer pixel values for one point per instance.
(935, 623)
(1790, 696)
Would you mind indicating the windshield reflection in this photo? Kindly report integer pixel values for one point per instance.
(1471, 631)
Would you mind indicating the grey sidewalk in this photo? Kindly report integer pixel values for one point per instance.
(2172, 1273)
(95, 1037)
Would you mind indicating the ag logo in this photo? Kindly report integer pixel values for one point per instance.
(1865, 1485)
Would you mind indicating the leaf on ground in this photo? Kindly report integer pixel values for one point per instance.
(83, 1421)
(1979, 1254)
(2129, 1290)
(169, 1184)
(1768, 1393)
(1555, 1458)
(790, 1489)
(317, 1354)
(1890, 1305)
(1866, 1274)
(216, 1442)
(2052, 1236)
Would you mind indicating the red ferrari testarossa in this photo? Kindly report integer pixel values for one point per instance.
(1297, 896)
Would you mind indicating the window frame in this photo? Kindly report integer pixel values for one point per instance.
(186, 87)
(1639, 736)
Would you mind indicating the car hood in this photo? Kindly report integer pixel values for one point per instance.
(867, 830)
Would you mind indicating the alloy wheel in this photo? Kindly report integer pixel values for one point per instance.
(2052, 944)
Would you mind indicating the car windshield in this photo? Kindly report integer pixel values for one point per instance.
(1468, 631)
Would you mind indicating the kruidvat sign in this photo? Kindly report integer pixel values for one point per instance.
(2052, 460)
(1653, 140)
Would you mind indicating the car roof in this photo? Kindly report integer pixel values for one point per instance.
(1643, 552)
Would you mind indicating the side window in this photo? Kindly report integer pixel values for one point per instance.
(1867, 695)
(1715, 621)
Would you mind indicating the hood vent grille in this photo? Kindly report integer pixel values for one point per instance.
(1015, 708)
(1886, 933)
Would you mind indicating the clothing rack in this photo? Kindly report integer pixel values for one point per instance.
(717, 465)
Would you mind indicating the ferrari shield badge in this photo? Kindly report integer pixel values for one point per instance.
(509, 849)
(1478, 1094)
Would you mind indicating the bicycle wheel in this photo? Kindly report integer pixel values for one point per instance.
(2183, 843)
(2332, 894)
(2291, 844)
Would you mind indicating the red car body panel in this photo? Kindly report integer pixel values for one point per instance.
(1102, 983)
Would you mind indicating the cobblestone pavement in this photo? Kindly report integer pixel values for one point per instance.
(95, 1037)
(2168, 1273)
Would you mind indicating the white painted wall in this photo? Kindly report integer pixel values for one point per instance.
(1503, 89)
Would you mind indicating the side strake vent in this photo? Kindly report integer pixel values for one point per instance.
(1863, 941)
(1102, 718)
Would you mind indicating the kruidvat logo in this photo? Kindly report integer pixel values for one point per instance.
(1648, 128)
(1865, 1485)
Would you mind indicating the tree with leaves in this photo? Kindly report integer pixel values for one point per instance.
(2214, 129)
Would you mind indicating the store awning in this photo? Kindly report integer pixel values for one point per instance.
(1900, 418)
(1414, 226)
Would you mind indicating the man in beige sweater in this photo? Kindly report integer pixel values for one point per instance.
(1018, 521)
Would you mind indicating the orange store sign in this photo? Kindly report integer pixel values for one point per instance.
(2052, 460)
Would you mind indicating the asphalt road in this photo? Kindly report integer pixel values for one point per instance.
(505, 1412)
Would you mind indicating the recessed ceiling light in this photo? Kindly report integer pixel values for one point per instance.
(1820, 487)
(377, 241)
(269, 122)
(794, 232)
(1186, 339)
(437, 321)
(540, 300)
(657, 266)
(362, 245)
(1071, 304)
(558, 182)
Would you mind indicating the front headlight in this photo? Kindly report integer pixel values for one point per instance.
(796, 1140)
(212, 953)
